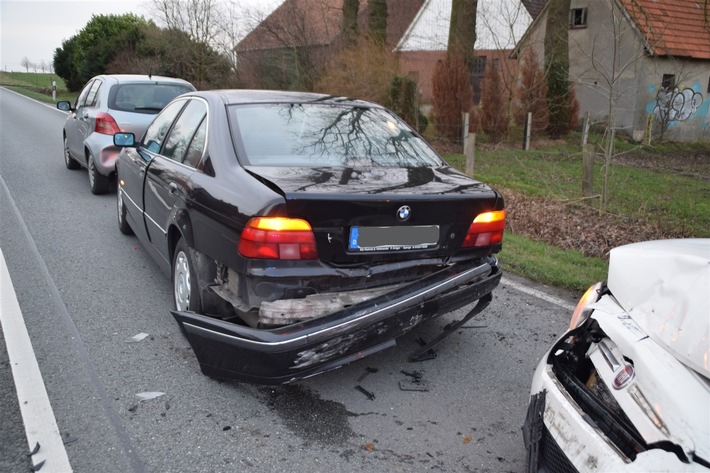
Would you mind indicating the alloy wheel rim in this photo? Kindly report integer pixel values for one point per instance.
(182, 282)
(66, 151)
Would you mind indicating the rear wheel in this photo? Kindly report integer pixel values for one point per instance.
(68, 161)
(123, 225)
(185, 293)
(98, 183)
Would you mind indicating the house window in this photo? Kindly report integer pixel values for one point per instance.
(479, 66)
(578, 18)
(496, 64)
(708, 85)
(479, 69)
(668, 81)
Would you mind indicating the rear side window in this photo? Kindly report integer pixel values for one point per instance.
(81, 100)
(93, 94)
(156, 132)
(144, 97)
(183, 131)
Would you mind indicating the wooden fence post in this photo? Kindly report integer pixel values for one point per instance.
(528, 126)
(464, 129)
(585, 130)
(588, 170)
(470, 153)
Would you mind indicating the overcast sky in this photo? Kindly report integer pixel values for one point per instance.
(35, 28)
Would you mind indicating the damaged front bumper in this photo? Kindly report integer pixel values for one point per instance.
(572, 426)
(285, 354)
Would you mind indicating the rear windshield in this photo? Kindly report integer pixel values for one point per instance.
(326, 135)
(144, 98)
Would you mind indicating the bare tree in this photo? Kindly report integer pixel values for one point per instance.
(291, 48)
(612, 59)
(206, 22)
(26, 63)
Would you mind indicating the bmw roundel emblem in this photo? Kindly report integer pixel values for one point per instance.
(404, 212)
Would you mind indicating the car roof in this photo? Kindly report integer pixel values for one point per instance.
(127, 78)
(244, 96)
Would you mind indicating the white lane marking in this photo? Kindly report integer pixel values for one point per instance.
(37, 414)
(539, 294)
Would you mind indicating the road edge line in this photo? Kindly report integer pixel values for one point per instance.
(37, 414)
(538, 294)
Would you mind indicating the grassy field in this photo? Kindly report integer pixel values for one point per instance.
(36, 85)
(670, 199)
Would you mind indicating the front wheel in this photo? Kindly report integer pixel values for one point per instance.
(98, 183)
(186, 296)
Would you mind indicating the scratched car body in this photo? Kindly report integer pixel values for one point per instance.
(301, 231)
(627, 388)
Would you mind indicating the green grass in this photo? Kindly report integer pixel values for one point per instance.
(549, 265)
(36, 85)
(677, 203)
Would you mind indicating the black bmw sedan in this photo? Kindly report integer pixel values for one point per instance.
(302, 231)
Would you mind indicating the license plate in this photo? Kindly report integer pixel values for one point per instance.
(393, 238)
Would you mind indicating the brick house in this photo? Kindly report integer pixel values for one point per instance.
(660, 80)
(499, 25)
(304, 33)
(301, 35)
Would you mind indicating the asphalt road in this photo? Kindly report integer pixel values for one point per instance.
(85, 289)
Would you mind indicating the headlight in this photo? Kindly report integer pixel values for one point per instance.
(583, 310)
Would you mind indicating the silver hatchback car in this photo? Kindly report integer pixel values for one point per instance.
(110, 104)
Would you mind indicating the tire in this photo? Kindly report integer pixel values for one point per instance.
(68, 160)
(186, 295)
(98, 183)
(123, 225)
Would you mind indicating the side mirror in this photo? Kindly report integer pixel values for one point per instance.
(124, 140)
(64, 106)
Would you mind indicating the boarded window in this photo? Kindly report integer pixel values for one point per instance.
(578, 18)
(668, 81)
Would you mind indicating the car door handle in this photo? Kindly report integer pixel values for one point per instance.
(173, 188)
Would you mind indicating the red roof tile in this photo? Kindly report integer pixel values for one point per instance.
(679, 28)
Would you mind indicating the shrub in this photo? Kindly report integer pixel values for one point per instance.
(494, 116)
(451, 96)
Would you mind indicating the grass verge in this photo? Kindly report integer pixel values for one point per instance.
(549, 265)
(659, 195)
(36, 85)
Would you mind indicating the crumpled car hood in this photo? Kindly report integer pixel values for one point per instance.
(665, 287)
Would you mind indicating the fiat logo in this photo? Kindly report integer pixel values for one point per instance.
(404, 212)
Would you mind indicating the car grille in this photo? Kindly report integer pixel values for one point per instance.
(552, 459)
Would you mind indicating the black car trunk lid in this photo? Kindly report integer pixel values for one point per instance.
(381, 213)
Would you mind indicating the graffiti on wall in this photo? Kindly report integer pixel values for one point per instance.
(676, 105)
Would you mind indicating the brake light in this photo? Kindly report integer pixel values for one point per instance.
(278, 238)
(105, 124)
(486, 229)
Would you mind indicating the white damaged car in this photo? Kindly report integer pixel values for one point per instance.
(627, 387)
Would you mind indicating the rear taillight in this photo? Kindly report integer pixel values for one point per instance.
(278, 238)
(486, 229)
(105, 124)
